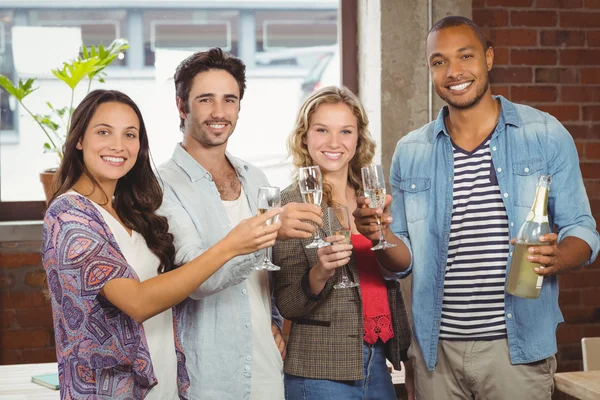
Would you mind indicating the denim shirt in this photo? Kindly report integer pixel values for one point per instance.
(525, 144)
(216, 325)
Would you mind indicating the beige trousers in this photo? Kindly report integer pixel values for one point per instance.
(480, 370)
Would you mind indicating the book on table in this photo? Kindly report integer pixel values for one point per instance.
(48, 380)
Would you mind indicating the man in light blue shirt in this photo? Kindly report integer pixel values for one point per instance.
(231, 329)
(461, 186)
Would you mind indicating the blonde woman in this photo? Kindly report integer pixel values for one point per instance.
(339, 339)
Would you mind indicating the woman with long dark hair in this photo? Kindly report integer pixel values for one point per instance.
(110, 260)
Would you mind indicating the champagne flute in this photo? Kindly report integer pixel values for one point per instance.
(339, 224)
(374, 187)
(268, 197)
(310, 181)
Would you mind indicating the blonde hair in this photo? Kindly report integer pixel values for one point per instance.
(365, 146)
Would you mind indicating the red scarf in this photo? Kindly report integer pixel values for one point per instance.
(376, 308)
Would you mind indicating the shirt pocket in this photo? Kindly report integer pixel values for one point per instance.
(526, 174)
(416, 197)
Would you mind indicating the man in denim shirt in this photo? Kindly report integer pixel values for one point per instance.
(461, 187)
(230, 325)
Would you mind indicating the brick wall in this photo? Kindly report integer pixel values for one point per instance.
(26, 334)
(548, 56)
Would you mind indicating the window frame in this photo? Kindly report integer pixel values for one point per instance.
(348, 14)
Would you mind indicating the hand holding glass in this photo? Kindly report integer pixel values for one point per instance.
(374, 187)
(268, 197)
(338, 222)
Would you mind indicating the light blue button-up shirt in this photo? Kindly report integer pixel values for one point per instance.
(216, 325)
(525, 144)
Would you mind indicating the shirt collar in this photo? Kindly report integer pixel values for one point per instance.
(508, 116)
(195, 171)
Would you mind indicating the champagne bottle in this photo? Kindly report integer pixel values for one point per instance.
(522, 280)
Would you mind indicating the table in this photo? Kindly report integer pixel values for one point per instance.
(581, 385)
(15, 382)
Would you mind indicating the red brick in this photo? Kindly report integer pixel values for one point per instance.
(579, 19)
(7, 281)
(590, 170)
(561, 112)
(579, 131)
(593, 190)
(7, 318)
(591, 113)
(17, 260)
(592, 151)
(10, 357)
(511, 75)
(513, 37)
(23, 300)
(568, 298)
(490, 17)
(590, 76)
(533, 57)
(579, 279)
(556, 75)
(569, 352)
(559, 3)
(46, 355)
(593, 38)
(36, 279)
(501, 56)
(591, 330)
(562, 38)
(568, 366)
(580, 57)
(509, 3)
(533, 93)
(592, 3)
(533, 18)
(590, 296)
(581, 315)
(569, 334)
(478, 4)
(35, 318)
(25, 338)
(580, 94)
(501, 91)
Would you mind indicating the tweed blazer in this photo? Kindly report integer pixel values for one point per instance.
(326, 337)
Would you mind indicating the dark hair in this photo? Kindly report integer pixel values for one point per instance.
(454, 21)
(137, 195)
(203, 61)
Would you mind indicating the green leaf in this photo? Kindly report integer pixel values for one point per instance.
(47, 146)
(85, 52)
(72, 73)
(101, 80)
(106, 55)
(22, 90)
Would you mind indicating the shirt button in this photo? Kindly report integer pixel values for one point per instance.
(413, 186)
(248, 358)
(494, 148)
(243, 291)
(247, 368)
(526, 169)
(499, 169)
(248, 325)
(505, 195)
(510, 253)
(512, 224)
(509, 315)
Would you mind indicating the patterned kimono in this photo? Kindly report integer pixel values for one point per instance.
(102, 352)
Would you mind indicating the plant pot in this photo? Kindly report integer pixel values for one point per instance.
(47, 178)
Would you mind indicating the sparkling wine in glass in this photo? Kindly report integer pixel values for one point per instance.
(374, 188)
(338, 221)
(310, 181)
(268, 197)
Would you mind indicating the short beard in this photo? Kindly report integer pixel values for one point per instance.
(469, 103)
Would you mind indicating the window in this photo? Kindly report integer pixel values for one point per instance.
(284, 43)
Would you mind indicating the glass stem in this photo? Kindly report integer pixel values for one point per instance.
(267, 255)
(380, 230)
(344, 278)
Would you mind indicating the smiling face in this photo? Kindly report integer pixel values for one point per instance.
(213, 108)
(111, 142)
(332, 137)
(459, 66)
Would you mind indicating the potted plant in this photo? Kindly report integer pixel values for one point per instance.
(55, 125)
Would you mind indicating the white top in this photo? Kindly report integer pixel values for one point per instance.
(267, 366)
(158, 329)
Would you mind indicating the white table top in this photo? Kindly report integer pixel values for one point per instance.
(15, 382)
